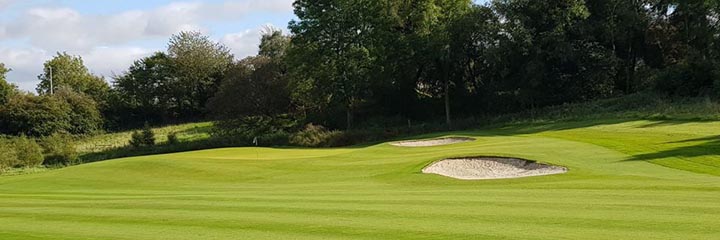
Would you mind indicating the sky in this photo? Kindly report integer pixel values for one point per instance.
(111, 34)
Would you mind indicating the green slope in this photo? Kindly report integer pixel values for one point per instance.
(627, 180)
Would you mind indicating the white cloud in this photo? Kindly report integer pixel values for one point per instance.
(235, 9)
(109, 61)
(242, 44)
(6, 3)
(24, 63)
(27, 63)
(106, 41)
(67, 29)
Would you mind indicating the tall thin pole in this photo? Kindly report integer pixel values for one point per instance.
(51, 82)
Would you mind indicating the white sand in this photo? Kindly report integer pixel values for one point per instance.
(491, 168)
(432, 142)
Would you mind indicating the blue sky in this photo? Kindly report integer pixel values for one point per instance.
(111, 34)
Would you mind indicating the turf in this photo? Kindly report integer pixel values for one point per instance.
(627, 180)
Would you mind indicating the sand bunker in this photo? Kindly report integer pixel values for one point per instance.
(491, 168)
(432, 142)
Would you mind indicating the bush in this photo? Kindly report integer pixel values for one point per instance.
(84, 114)
(66, 111)
(34, 115)
(250, 127)
(8, 155)
(274, 139)
(59, 150)
(172, 138)
(29, 152)
(314, 136)
(144, 138)
(689, 78)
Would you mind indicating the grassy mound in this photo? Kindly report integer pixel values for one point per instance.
(627, 180)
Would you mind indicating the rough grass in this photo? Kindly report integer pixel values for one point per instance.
(648, 106)
(104, 142)
(627, 180)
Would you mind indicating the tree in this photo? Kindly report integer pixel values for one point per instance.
(442, 58)
(474, 52)
(622, 26)
(254, 87)
(685, 35)
(6, 89)
(144, 92)
(34, 115)
(273, 44)
(198, 66)
(330, 55)
(84, 114)
(548, 57)
(400, 56)
(70, 72)
(255, 90)
(65, 112)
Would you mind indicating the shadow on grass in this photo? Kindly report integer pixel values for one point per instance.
(674, 122)
(128, 151)
(186, 146)
(544, 126)
(709, 146)
(196, 130)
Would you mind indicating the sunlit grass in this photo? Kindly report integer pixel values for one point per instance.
(627, 180)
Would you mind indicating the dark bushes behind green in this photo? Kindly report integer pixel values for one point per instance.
(280, 138)
(60, 150)
(314, 136)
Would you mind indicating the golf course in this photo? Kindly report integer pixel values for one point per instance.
(625, 180)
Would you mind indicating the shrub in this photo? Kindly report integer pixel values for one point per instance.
(274, 139)
(144, 138)
(66, 111)
(29, 152)
(59, 150)
(692, 77)
(172, 138)
(86, 117)
(253, 126)
(34, 115)
(313, 136)
(8, 155)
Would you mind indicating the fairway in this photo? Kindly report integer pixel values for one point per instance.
(626, 180)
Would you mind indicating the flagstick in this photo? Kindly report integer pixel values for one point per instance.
(257, 151)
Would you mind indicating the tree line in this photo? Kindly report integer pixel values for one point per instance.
(361, 63)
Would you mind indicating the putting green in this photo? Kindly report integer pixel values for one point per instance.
(627, 180)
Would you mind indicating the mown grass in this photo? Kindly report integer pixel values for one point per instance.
(628, 179)
(197, 136)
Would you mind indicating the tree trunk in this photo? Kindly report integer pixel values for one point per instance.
(349, 118)
(631, 71)
(447, 103)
